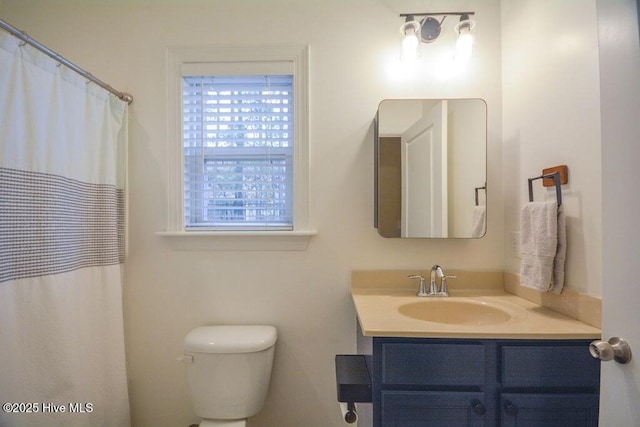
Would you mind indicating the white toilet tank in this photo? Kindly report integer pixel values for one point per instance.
(231, 369)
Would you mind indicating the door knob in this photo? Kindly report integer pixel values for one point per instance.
(616, 349)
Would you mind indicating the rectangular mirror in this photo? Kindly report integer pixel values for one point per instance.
(431, 168)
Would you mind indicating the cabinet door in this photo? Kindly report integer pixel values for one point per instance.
(432, 409)
(548, 410)
(559, 365)
(432, 364)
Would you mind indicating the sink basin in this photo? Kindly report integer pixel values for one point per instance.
(456, 312)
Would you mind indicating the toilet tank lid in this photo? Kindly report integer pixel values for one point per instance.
(230, 338)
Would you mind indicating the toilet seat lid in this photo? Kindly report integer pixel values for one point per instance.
(230, 338)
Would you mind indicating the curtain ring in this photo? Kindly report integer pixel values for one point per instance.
(58, 59)
(26, 38)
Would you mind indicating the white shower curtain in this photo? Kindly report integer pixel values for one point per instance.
(62, 162)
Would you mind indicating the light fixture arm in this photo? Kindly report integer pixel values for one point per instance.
(404, 15)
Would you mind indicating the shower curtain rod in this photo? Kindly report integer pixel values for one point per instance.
(28, 40)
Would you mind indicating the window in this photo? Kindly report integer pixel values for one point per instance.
(238, 152)
(238, 147)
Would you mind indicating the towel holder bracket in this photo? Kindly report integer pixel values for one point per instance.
(563, 170)
(555, 176)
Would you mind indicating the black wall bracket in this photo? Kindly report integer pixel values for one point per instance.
(353, 382)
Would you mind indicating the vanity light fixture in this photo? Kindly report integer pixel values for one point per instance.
(427, 30)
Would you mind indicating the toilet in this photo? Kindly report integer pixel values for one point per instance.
(229, 370)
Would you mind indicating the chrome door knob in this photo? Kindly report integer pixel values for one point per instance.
(616, 349)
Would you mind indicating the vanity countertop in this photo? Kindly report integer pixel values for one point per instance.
(378, 314)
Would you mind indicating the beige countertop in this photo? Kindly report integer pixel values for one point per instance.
(378, 314)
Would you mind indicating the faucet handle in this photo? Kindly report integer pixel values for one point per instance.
(443, 285)
(422, 291)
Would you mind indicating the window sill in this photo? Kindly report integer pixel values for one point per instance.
(238, 240)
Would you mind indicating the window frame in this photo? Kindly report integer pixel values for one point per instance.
(205, 143)
(180, 238)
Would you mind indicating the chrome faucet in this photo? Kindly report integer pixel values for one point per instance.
(436, 272)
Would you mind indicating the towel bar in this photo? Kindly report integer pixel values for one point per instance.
(556, 181)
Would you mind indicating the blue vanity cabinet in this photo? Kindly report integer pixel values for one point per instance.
(466, 382)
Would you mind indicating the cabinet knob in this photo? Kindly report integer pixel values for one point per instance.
(616, 349)
(478, 407)
(510, 409)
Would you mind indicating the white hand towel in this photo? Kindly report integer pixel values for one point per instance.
(479, 221)
(561, 253)
(538, 244)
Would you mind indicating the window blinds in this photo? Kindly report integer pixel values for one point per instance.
(238, 152)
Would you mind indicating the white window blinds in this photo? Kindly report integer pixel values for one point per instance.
(238, 152)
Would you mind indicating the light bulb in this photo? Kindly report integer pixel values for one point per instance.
(410, 31)
(410, 48)
(464, 44)
(464, 47)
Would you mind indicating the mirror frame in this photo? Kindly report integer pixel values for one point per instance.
(377, 166)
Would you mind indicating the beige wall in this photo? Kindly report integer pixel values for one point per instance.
(551, 104)
(354, 47)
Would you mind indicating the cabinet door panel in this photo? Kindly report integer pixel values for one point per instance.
(433, 364)
(549, 366)
(549, 410)
(432, 409)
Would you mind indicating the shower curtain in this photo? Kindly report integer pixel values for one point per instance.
(62, 163)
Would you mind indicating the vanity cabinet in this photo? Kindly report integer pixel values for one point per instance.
(467, 382)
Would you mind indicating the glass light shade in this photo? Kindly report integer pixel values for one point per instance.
(464, 46)
(410, 48)
(410, 31)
